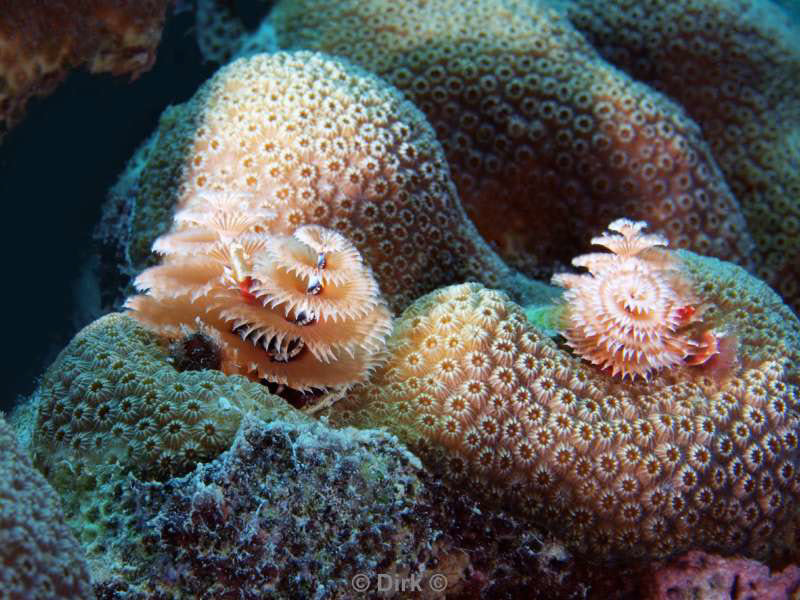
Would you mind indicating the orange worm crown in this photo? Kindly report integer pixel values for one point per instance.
(302, 310)
(629, 314)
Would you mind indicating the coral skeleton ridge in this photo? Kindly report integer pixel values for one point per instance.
(682, 113)
(533, 121)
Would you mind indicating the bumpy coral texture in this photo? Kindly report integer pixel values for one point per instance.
(546, 141)
(298, 509)
(39, 556)
(320, 142)
(616, 469)
(112, 400)
(734, 66)
(294, 507)
(290, 511)
(629, 314)
(113, 405)
(218, 30)
(41, 42)
(300, 310)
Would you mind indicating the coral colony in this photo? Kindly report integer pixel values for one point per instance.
(342, 361)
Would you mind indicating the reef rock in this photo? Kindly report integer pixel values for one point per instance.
(701, 576)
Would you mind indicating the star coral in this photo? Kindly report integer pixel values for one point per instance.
(319, 141)
(112, 406)
(113, 399)
(734, 66)
(39, 555)
(533, 121)
(300, 310)
(629, 313)
(617, 469)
